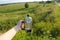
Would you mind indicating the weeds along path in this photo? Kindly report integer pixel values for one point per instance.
(16, 7)
(43, 16)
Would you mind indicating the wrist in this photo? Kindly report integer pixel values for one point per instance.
(17, 28)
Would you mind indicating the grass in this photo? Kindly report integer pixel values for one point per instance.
(42, 20)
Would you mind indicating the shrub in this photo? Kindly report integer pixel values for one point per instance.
(54, 32)
(26, 5)
(38, 32)
(49, 1)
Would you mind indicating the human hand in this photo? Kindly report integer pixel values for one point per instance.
(20, 25)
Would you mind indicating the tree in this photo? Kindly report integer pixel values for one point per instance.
(26, 5)
(57, 0)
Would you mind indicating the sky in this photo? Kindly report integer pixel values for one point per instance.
(14, 1)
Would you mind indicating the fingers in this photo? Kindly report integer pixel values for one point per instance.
(19, 25)
(22, 24)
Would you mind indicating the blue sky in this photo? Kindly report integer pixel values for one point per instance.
(12, 1)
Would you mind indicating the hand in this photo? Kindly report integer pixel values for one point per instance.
(19, 25)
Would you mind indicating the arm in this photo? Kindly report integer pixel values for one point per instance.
(11, 33)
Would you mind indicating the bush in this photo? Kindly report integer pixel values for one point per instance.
(49, 1)
(54, 32)
(38, 32)
(26, 5)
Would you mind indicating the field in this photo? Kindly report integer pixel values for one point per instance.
(46, 20)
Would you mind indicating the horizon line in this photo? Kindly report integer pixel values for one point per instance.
(23, 1)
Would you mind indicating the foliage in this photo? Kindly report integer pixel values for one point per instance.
(46, 20)
(26, 5)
